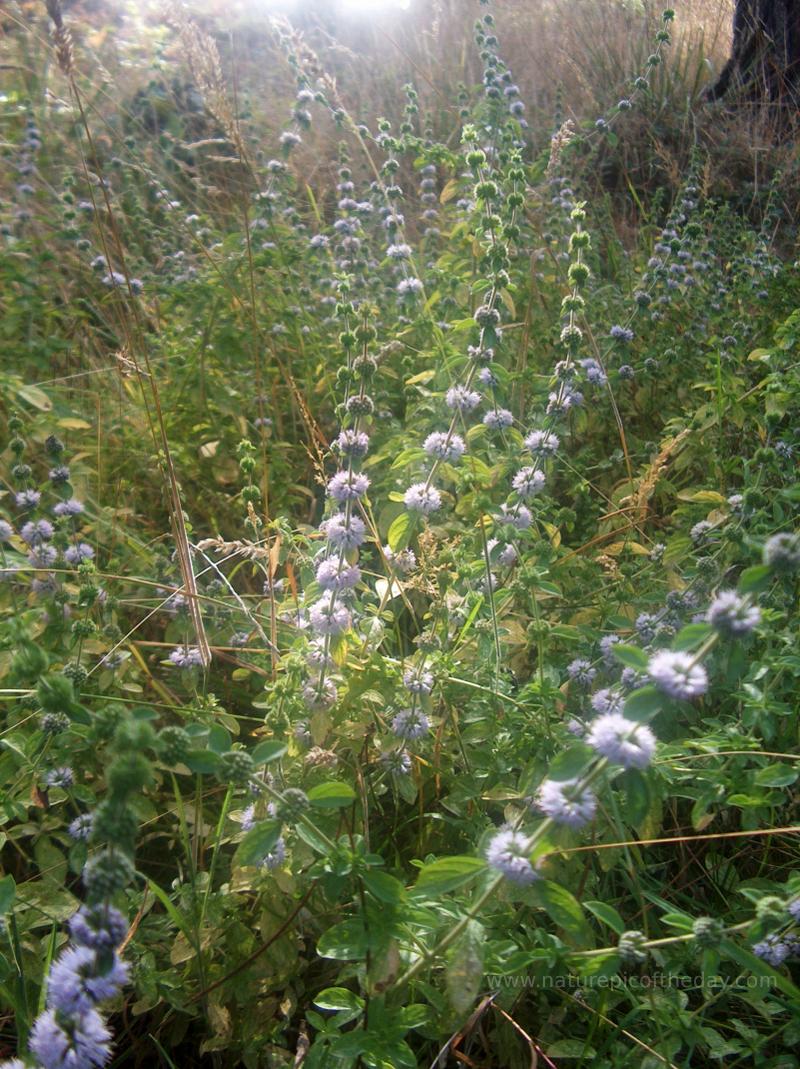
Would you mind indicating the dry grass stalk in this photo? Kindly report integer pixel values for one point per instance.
(647, 484)
(62, 38)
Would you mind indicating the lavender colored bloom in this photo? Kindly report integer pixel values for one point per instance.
(186, 657)
(399, 252)
(80, 829)
(319, 241)
(507, 554)
(75, 984)
(566, 803)
(422, 498)
(517, 515)
(73, 507)
(620, 333)
(275, 857)
(700, 531)
(82, 1043)
(289, 139)
(736, 501)
(344, 532)
(729, 612)
(782, 551)
(101, 927)
(444, 447)
(508, 853)
(331, 575)
(498, 419)
(403, 561)
(594, 373)
(647, 626)
(249, 817)
(461, 399)
(27, 499)
(407, 287)
(773, 950)
(322, 696)
(348, 486)
(575, 727)
(581, 672)
(36, 532)
(542, 443)
(418, 681)
(676, 674)
(62, 777)
(410, 724)
(607, 700)
(528, 482)
(622, 741)
(352, 443)
(6, 531)
(81, 552)
(43, 556)
(396, 762)
(329, 617)
(607, 643)
(794, 908)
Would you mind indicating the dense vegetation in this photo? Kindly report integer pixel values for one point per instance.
(400, 550)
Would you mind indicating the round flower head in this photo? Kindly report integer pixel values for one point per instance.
(343, 532)
(62, 777)
(528, 482)
(396, 762)
(542, 443)
(622, 741)
(794, 908)
(100, 927)
(410, 724)
(408, 287)
(76, 983)
(333, 576)
(27, 499)
(676, 674)
(444, 447)
(351, 443)
(498, 419)
(729, 612)
(422, 498)
(6, 531)
(43, 556)
(329, 617)
(186, 657)
(275, 857)
(83, 1042)
(461, 399)
(581, 672)
(607, 643)
(403, 561)
(517, 515)
(75, 554)
(607, 700)
(35, 533)
(418, 682)
(773, 950)
(73, 507)
(566, 803)
(508, 853)
(782, 551)
(348, 486)
(80, 829)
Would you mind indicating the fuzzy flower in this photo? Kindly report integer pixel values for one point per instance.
(607, 700)
(76, 984)
(249, 817)
(43, 556)
(565, 802)
(622, 741)
(76, 554)
(101, 927)
(333, 576)
(773, 950)
(62, 777)
(352, 443)
(730, 613)
(676, 674)
(418, 682)
(396, 762)
(407, 287)
(410, 724)
(275, 857)
(329, 617)
(80, 829)
(82, 1043)
(320, 696)
(508, 853)
(344, 532)
(403, 561)
(607, 643)
(461, 399)
(542, 443)
(782, 551)
(444, 447)
(73, 507)
(507, 554)
(700, 531)
(422, 498)
(517, 515)
(27, 499)
(498, 419)
(186, 657)
(794, 908)
(528, 482)
(6, 531)
(348, 486)
(36, 532)
(581, 672)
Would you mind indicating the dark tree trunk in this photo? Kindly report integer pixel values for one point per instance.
(764, 66)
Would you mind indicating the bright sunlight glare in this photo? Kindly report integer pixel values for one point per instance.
(345, 7)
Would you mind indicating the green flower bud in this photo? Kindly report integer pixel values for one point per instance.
(105, 874)
(236, 767)
(128, 774)
(632, 947)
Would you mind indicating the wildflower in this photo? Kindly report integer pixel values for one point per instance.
(508, 853)
(27, 499)
(594, 373)
(700, 531)
(403, 561)
(275, 857)
(101, 927)
(410, 724)
(581, 672)
(528, 482)
(43, 556)
(62, 777)
(418, 682)
(35, 533)
(76, 985)
(736, 501)
(422, 498)
(794, 908)
(329, 617)
(566, 803)
(622, 741)
(409, 286)
(79, 1043)
(186, 657)
(80, 829)
(519, 516)
(399, 252)
(351, 443)
(542, 443)
(396, 762)
(347, 486)
(676, 674)
(631, 948)
(81, 552)
(289, 139)
(782, 551)
(331, 575)
(731, 613)
(320, 696)
(607, 700)
(497, 419)
(73, 507)
(461, 399)
(443, 446)
(607, 643)
(6, 531)
(773, 950)
(344, 532)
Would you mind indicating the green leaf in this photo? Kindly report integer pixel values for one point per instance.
(631, 656)
(331, 795)
(776, 776)
(607, 914)
(398, 531)
(691, 636)
(754, 579)
(570, 1048)
(257, 843)
(8, 892)
(643, 704)
(268, 750)
(637, 792)
(384, 887)
(571, 762)
(202, 761)
(346, 941)
(448, 873)
(339, 998)
(565, 911)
